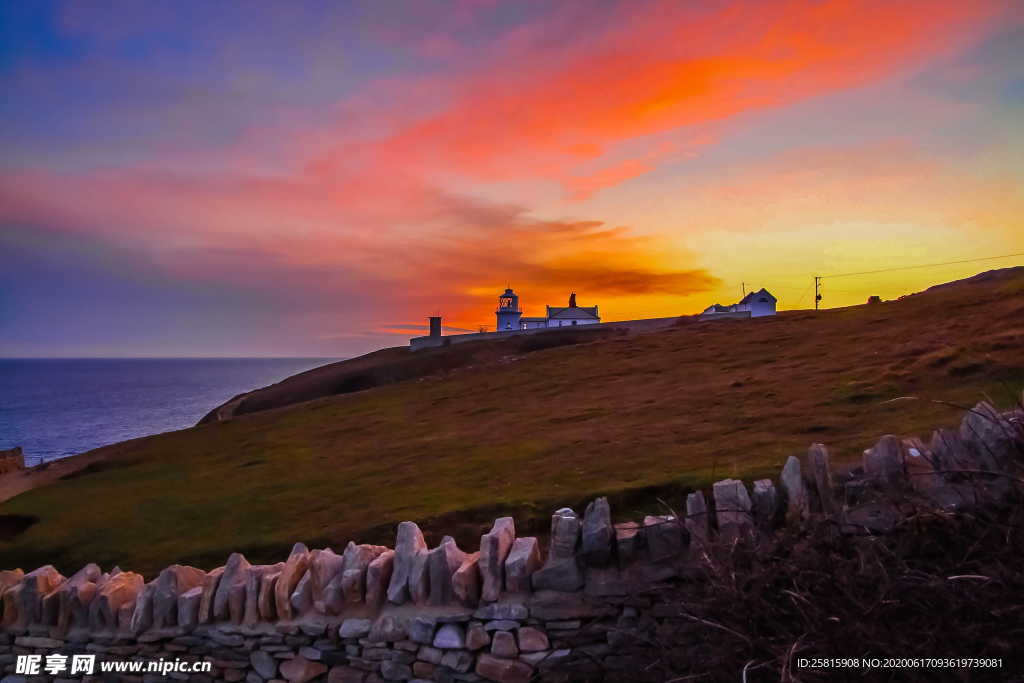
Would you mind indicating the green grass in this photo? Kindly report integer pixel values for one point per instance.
(629, 417)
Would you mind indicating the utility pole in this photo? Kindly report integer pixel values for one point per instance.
(817, 291)
(743, 285)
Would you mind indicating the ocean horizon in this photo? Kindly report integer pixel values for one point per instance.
(56, 407)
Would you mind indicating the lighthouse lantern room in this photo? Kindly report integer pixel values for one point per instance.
(508, 312)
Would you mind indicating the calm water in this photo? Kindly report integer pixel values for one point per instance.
(56, 408)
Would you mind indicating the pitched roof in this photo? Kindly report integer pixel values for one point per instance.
(567, 312)
(750, 297)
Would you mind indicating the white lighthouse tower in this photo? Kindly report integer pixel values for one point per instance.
(508, 311)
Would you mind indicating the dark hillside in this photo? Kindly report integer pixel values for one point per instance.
(388, 366)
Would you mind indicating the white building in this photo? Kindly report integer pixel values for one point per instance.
(510, 317)
(758, 304)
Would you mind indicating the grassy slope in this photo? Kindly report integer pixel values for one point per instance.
(669, 410)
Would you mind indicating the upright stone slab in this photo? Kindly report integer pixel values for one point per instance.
(932, 470)
(378, 577)
(522, 561)
(120, 590)
(10, 580)
(764, 504)
(229, 600)
(357, 562)
(419, 578)
(561, 571)
(732, 509)
(188, 608)
(253, 584)
(266, 602)
(36, 584)
(324, 587)
(664, 537)
(171, 582)
(295, 568)
(791, 483)
(142, 616)
(494, 549)
(628, 543)
(442, 563)
(301, 598)
(819, 464)
(990, 438)
(325, 566)
(74, 596)
(50, 611)
(598, 535)
(409, 544)
(466, 582)
(698, 520)
(884, 462)
(210, 584)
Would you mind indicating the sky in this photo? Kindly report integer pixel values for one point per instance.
(184, 178)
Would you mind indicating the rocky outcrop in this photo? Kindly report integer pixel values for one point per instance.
(12, 460)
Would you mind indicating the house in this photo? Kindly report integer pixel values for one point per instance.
(756, 304)
(759, 303)
(560, 316)
(510, 317)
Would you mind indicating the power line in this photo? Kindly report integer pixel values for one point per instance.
(925, 265)
(801, 276)
(801, 299)
(817, 284)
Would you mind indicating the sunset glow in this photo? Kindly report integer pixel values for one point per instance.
(306, 179)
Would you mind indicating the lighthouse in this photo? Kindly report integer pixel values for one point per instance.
(508, 312)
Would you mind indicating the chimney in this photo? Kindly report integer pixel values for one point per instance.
(435, 326)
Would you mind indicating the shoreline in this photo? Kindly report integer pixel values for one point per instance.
(15, 483)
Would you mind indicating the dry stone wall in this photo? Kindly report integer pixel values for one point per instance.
(507, 612)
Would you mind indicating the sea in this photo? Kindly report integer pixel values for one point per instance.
(54, 408)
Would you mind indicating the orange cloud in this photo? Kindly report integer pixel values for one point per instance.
(664, 69)
(412, 248)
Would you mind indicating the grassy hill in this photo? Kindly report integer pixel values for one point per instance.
(521, 429)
